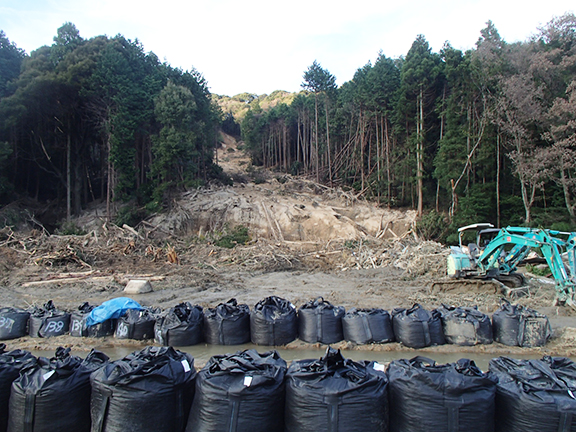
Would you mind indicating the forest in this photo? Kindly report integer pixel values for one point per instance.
(482, 135)
(486, 135)
(100, 120)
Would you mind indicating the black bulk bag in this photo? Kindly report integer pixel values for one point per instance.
(455, 397)
(364, 326)
(417, 327)
(79, 328)
(242, 392)
(465, 326)
(11, 363)
(273, 321)
(47, 321)
(182, 325)
(535, 395)
(13, 323)
(148, 390)
(334, 394)
(54, 395)
(136, 324)
(516, 325)
(319, 321)
(227, 324)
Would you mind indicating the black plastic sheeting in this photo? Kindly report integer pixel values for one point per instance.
(320, 321)
(78, 327)
(455, 397)
(465, 326)
(11, 363)
(417, 327)
(148, 390)
(535, 395)
(273, 321)
(136, 324)
(182, 325)
(364, 326)
(13, 323)
(516, 325)
(54, 394)
(242, 392)
(227, 324)
(334, 394)
(47, 321)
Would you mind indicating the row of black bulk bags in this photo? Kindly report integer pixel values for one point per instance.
(516, 325)
(54, 394)
(364, 326)
(148, 390)
(417, 327)
(465, 326)
(182, 325)
(535, 395)
(455, 397)
(320, 322)
(48, 321)
(334, 394)
(239, 393)
(11, 363)
(13, 323)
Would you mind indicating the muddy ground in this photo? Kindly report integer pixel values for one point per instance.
(306, 241)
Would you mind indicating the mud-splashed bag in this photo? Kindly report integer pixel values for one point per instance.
(54, 394)
(11, 363)
(273, 321)
(535, 395)
(364, 326)
(242, 392)
(227, 324)
(13, 323)
(136, 324)
(182, 325)
(334, 394)
(148, 390)
(48, 321)
(320, 321)
(516, 325)
(417, 327)
(455, 397)
(79, 327)
(465, 326)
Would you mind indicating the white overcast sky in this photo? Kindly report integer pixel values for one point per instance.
(259, 46)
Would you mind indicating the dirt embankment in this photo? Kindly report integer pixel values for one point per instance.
(307, 241)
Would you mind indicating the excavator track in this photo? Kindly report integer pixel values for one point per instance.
(463, 286)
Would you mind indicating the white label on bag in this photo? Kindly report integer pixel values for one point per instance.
(186, 365)
(47, 375)
(379, 367)
(247, 381)
(571, 394)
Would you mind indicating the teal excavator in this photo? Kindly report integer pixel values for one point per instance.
(497, 253)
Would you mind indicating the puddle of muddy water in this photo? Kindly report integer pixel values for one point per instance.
(203, 352)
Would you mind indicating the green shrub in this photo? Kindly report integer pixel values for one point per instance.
(432, 226)
(69, 228)
(239, 235)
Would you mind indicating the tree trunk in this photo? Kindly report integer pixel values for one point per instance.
(68, 178)
(420, 154)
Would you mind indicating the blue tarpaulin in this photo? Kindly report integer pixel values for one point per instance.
(114, 308)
